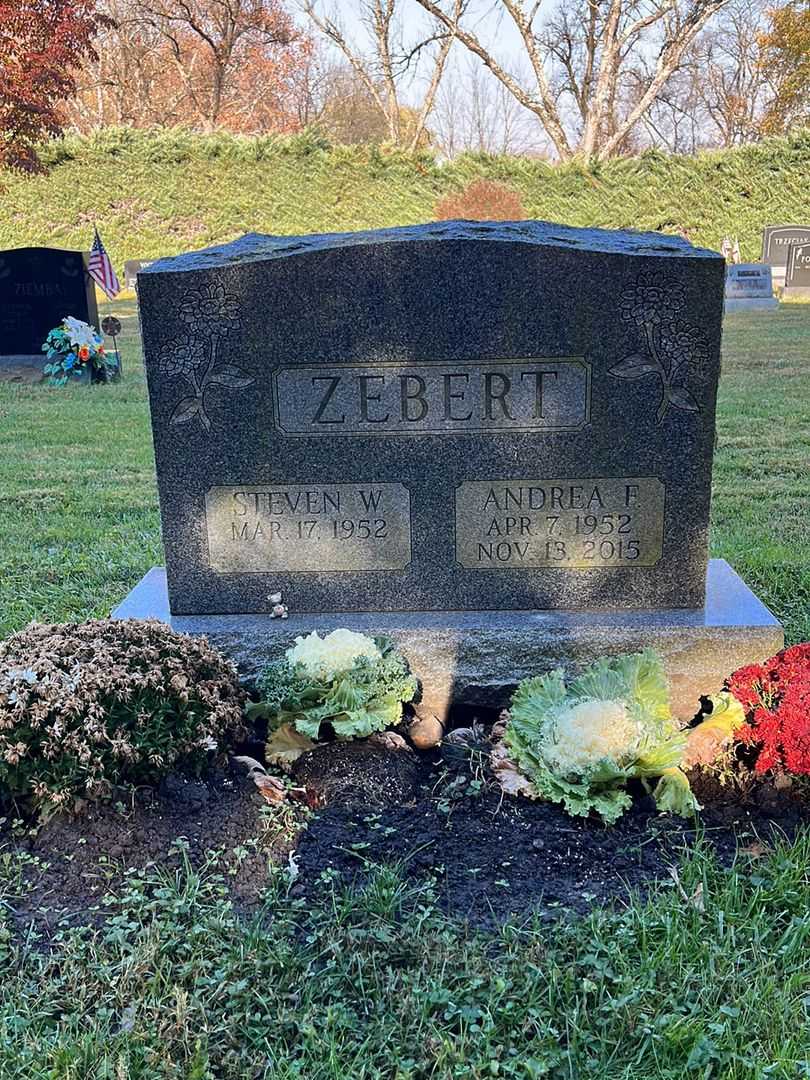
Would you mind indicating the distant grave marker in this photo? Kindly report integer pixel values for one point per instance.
(797, 276)
(776, 241)
(39, 286)
(749, 287)
(131, 270)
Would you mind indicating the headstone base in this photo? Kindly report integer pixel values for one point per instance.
(761, 303)
(796, 292)
(477, 657)
(22, 369)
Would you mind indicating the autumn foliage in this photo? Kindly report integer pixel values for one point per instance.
(42, 43)
(237, 65)
(785, 55)
(776, 699)
(482, 200)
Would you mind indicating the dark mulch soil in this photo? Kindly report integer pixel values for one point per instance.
(83, 858)
(436, 815)
(493, 857)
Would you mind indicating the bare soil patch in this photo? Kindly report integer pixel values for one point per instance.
(436, 815)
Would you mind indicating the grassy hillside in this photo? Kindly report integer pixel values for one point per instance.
(165, 192)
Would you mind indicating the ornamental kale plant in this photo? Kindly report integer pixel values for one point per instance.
(87, 706)
(352, 682)
(776, 699)
(579, 742)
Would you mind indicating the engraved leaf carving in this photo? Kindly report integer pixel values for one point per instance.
(634, 367)
(185, 409)
(230, 375)
(680, 397)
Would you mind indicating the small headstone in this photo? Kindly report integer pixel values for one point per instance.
(490, 440)
(749, 287)
(797, 278)
(131, 270)
(38, 288)
(776, 241)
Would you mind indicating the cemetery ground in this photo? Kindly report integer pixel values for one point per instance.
(380, 942)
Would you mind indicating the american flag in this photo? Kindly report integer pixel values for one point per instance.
(101, 269)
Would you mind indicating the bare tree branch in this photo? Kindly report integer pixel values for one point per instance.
(542, 102)
(583, 53)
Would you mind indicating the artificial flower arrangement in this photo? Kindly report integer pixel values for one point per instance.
(579, 741)
(354, 683)
(72, 348)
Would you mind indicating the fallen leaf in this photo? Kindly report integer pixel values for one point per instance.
(285, 745)
(696, 899)
(756, 850)
(508, 775)
(425, 732)
(251, 764)
(272, 790)
(388, 740)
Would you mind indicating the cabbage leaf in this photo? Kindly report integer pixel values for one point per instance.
(634, 686)
(367, 697)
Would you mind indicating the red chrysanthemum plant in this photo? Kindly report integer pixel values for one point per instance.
(775, 697)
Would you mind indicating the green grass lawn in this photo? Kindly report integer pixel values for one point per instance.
(78, 505)
(710, 978)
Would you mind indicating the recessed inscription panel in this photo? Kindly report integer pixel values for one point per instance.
(258, 529)
(535, 394)
(570, 524)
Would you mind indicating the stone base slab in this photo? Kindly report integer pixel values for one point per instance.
(752, 303)
(478, 657)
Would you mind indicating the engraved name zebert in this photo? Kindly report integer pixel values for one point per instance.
(400, 398)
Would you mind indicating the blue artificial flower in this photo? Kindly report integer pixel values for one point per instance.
(70, 360)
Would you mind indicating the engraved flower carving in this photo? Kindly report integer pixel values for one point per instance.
(210, 303)
(671, 348)
(211, 316)
(649, 303)
(683, 346)
(181, 356)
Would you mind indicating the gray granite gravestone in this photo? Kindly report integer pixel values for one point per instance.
(38, 288)
(749, 287)
(489, 440)
(132, 267)
(776, 241)
(797, 277)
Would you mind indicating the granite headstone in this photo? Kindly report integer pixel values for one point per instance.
(132, 267)
(776, 241)
(412, 429)
(797, 276)
(445, 417)
(38, 288)
(749, 287)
